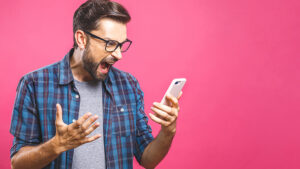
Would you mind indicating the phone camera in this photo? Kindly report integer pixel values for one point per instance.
(177, 82)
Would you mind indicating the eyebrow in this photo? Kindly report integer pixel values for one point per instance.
(107, 38)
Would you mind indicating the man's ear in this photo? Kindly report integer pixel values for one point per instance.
(81, 39)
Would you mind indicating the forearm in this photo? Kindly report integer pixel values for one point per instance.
(156, 150)
(34, 157)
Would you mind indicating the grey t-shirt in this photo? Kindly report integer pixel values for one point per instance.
(90, 155)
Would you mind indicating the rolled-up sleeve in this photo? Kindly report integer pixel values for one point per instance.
(24, 122)
(143, 133)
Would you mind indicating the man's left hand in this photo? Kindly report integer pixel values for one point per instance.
(166, 115)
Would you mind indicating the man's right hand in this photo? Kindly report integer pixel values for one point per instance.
(73, 135)
(66, 137)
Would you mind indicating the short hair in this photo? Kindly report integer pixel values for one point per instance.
(86, 17)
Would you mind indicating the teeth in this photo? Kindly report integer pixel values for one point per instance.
(106, 64)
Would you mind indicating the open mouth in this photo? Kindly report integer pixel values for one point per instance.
(104, 67)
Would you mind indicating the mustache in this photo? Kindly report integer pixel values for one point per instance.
(109, 60)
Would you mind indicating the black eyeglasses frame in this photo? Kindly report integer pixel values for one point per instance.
(107, 41)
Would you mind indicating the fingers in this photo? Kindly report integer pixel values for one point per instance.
(166, 115)
(80, 121)
(162, 114)
(91, 129)
(59, 119)
(159, 120)
(90, 139)
(170, 110)
(163, 107)
(82, 127)
(75, 134)
(173, 100)
(180, 94)
(88, 122)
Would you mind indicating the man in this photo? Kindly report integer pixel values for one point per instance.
(52, 121)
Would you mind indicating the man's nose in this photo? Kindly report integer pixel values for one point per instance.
(117, 53)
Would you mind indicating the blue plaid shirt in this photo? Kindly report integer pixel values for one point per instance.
(125, 129)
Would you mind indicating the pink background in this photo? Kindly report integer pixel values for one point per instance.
(240, 108)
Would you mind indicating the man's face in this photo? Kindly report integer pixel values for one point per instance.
(96, 60)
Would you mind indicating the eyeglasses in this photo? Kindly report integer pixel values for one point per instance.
(112, 45)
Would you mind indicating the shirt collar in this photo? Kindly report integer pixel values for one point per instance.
(65, 72)
(108, 81)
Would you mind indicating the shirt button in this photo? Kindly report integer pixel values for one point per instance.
(77, 96)
(122, 109)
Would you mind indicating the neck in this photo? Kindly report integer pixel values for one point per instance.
(76, 65)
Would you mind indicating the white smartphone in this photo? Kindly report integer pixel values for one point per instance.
(174, 89)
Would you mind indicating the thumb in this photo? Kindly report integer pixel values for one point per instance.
(59, 119)
(180, 94)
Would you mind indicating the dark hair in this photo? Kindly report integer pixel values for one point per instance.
(86, 17)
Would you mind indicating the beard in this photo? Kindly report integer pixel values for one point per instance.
(91, 67)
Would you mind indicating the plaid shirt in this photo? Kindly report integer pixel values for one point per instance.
(125, 129)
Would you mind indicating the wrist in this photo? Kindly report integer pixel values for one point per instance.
(56, 147)
(168, 133)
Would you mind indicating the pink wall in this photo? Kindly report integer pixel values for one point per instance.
(240, 108)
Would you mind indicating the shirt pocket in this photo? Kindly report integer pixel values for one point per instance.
(123, 120)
